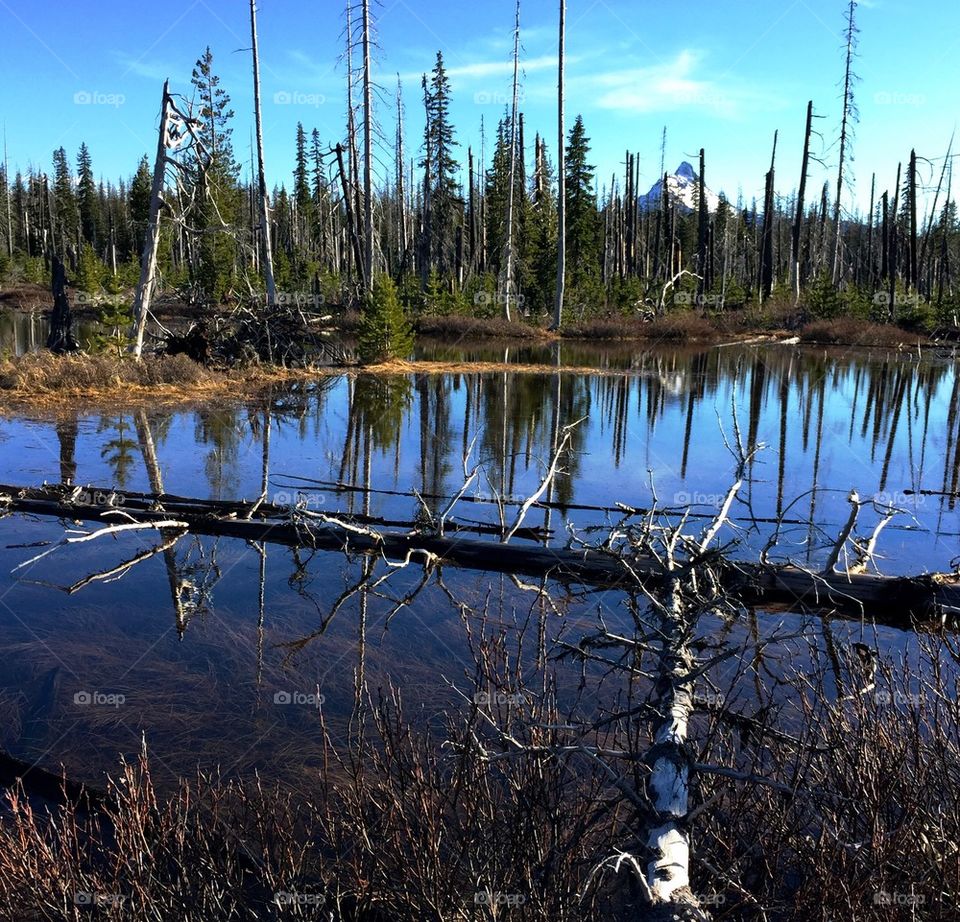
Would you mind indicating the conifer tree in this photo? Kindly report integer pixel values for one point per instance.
(583, 230)
(88, 200)
(217, 193)
(445, 204)
(138, 202)
(65, 218)
(385, 332)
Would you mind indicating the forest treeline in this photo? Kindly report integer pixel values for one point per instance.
(475, 232)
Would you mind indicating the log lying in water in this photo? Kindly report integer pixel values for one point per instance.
(901, 602)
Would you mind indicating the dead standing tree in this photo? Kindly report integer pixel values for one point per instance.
(561, 175)
(514, 153)
(847, 123)
(263, 198)
(148, 261)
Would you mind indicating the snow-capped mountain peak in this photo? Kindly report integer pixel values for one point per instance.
(682, 188)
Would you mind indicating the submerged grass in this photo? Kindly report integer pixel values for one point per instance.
(847, 811)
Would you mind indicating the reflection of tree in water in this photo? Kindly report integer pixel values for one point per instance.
(118, 452)
(522, 416)
(433, 393)
(380, 404)
(220, 428)
(67, 430)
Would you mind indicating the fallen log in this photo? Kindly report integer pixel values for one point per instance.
(905, 603)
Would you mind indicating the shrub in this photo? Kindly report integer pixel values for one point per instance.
(385, 332)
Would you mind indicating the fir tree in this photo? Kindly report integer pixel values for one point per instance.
(385, 332)
(445, 204)
(65, 218)
(138, 202)
(217, 192)
(88, 199)
(583, 222)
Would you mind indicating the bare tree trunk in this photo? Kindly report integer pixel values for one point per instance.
(367, 155)
(933, 213)
(703, 223)
(870, 223)
(892, 260)
(798, 217)
(354, 181)
(766, 239)
(6, 190)
(472, 209)
(261, 175)
(401, 194)
(508, 282)
(148, 260)
(561, 177)
(914, 274)
(351, 224)
(845, 127)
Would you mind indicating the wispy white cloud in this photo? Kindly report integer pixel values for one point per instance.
(675, 85)
(149, 68)
(481, 70)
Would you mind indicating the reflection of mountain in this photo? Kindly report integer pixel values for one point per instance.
(682, 189)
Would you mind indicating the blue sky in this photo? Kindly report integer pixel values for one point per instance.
(720, 76)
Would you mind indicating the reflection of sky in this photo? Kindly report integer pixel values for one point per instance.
(199, 697)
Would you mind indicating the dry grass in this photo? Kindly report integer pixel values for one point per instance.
(402, 827)
(44, 379)
(674, 327)
(851, 331)
(460, 327)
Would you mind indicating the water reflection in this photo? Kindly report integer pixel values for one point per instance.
(201, 634)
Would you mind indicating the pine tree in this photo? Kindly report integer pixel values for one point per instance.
(301, 187)
(66, 219)
(583, 221)
(138, 202)
(88, 201)
(385, 332)
(445, 205)
(217, 193)
(541, 238)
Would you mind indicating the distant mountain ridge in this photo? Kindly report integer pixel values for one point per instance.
(682, 190)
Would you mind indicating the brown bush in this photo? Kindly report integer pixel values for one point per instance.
(852, 331)
(467, 327)
(46, 373)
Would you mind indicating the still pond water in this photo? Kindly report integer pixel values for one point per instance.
(217, 650)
